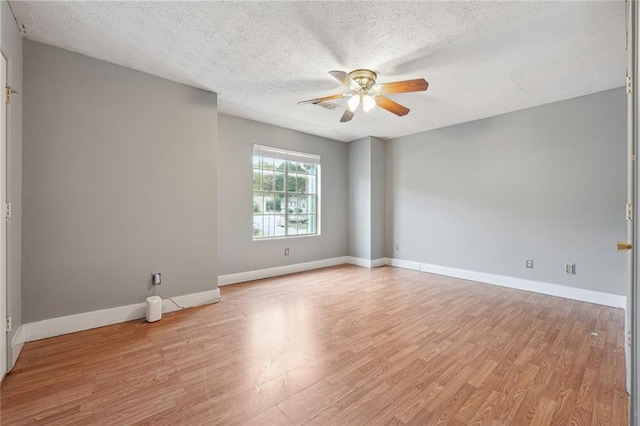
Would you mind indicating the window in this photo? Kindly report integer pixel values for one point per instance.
(286, 193)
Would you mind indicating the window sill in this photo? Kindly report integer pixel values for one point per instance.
(288, 237)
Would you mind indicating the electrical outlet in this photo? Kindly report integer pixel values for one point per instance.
(528, 263)
(286, 252)
(396, 246)
(156, 278)
(570, 268)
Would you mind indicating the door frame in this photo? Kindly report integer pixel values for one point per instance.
(4, 341)
(632, 341)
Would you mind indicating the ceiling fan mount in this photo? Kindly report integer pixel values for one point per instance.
(365, 78)
(367, 94)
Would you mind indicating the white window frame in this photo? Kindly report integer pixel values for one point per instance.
(295, 156)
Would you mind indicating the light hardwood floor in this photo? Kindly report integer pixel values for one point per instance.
(340, 346)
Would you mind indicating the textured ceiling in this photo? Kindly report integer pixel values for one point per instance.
(480, 58)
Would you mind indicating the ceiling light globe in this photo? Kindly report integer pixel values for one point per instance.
(368, 103)
(353, 103)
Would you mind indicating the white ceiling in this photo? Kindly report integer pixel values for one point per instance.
(480, 58)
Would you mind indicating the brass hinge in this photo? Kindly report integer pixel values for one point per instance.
(10, 91)
(629, 84)
(629, 211)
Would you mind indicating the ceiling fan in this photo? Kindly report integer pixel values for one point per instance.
(366, 93)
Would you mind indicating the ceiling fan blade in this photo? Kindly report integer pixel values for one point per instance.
(417, 85)
(345, 79)
(327, 105)
(347, 116)
(324, 99)
(391, 106)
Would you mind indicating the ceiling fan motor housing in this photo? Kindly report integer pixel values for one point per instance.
(365, 78)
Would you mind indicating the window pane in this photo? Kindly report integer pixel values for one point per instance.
(292, 206)
(312, 184)
(268, 163)
(301, 183)
(257, 179)
(269, 225)
(291, 183)
(280, 226)
(279, 181)
(257, 226)
(303, 224)
(268, 202)
(293, 225)
(279, 203)
(300, 203)
(257, 203)
(267, 180)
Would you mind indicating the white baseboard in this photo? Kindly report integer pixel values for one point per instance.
(277, 271)
(88, 320)
(358, 261)
(259, 274)
(17, 342)
(583, 295)
(376, 263)
(406, 264)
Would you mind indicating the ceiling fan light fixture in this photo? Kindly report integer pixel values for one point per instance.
(366, 93)
(354, 103)
(368, 103)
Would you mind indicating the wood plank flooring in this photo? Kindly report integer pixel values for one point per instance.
(337, 346)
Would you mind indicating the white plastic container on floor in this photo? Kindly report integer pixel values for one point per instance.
(154, 308)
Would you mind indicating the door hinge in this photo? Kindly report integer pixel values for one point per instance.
(629, 211)
(10, 91)
(8, 211)
(8, 323)
(629, 338)
(629, 84)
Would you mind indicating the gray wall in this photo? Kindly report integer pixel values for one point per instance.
(378, 201)
(237, 250)
(360, 198)
(12, 49)
(119, 181)
(546, 183)
(367, 198)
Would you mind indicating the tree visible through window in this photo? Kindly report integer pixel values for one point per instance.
(285, 193)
